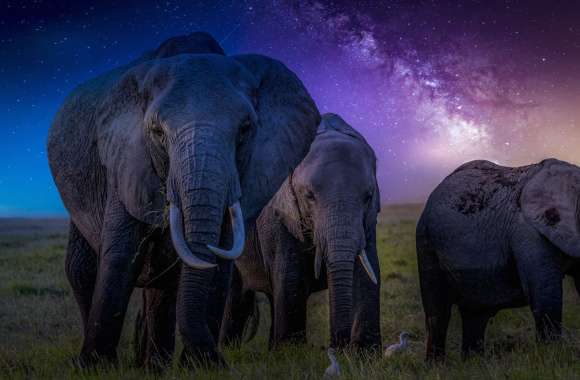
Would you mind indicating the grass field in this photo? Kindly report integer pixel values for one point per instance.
(40, 326)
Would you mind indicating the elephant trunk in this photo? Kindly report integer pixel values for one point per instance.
(204, 182)
(343, 245)
(341, 250)
(340, 275)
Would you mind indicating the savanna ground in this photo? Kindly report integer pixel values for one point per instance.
(40, 327)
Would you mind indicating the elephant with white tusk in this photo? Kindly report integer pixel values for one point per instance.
(317, 232)
(184, 128)
(494, 237)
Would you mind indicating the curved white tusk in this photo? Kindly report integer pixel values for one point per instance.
(364, 260)
(179, 243)
(237, 219)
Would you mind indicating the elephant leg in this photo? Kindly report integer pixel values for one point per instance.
(547, 311)
(116, 278)
(272, 320)
(220, 286)
(218, 294)
(541, 278)
(239, 307)
(435, 296)
(155, 328)
(473, 332)
(577, 282)
(200, 348)
(437, 322)
(366, 327)
(290, 296)
(81, 271)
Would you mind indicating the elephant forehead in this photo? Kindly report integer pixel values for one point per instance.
(190, 70)
(335, 147)
(344, 170)
(203, 82)
(190, 102)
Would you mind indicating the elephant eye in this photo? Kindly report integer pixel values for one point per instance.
(367, 197)
(245, 126)
(244, 131)
(309, 195)
(157, 131)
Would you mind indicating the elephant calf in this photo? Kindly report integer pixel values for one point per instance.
(318, 231)
(494, 237)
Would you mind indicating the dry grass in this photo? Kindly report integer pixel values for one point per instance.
(40, 328)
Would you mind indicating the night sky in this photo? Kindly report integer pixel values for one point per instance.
(430, 85)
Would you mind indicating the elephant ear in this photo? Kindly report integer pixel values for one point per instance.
(287, 123)
(550, 203)
(286, 209)
(124, 151)
(375, 202)
(373, 211)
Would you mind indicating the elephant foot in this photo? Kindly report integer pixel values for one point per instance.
(368, 348)
(157, 365)
(340, 342)
(138, 340)
(435, 359)
(367, 343)
(89, 360)
(202, 358)
(294, 339)
(152, 359)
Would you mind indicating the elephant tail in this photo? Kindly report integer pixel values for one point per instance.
(252, 324)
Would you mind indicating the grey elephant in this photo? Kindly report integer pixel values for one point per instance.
(171, 154)
(494, 237)
(317, 232)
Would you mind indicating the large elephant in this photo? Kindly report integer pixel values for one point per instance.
(178, 137)
(494, 237)
(308, 238)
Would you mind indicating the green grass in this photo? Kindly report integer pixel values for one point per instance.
(40, 327)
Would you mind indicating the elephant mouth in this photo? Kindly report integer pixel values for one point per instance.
(188, 257)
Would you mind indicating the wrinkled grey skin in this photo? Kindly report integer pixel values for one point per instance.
(494, 237)
(185, 125)
(327, 207)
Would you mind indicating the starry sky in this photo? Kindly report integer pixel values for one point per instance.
(430, 84)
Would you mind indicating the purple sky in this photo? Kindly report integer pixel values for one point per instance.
(430, 85)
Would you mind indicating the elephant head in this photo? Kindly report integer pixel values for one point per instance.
(550, 201)
(332, 200)
(197, 132)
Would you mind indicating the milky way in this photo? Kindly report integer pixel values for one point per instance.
(430, 85)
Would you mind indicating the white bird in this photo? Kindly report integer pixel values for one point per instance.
(397, 347)
(333, 370)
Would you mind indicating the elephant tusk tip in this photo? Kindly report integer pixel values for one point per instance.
(179, 243)
(208, 266)
(237, 249)
(223, 253)
(368, 267)
(213, 249)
